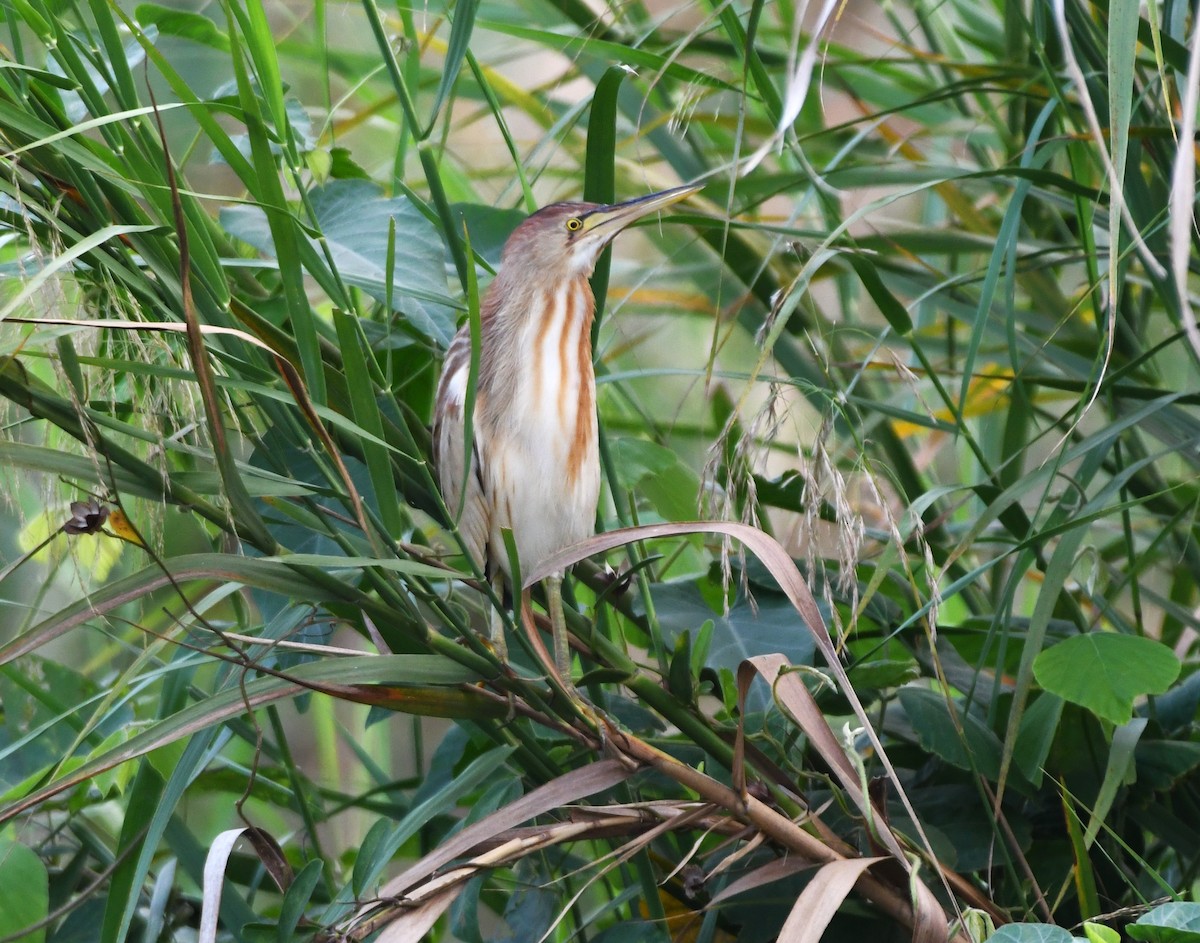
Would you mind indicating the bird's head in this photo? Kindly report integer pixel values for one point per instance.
(565, 239)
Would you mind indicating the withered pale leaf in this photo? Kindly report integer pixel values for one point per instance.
(821, 899)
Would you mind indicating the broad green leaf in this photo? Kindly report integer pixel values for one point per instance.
(489, 227)
(353, 219)
(1030, 933)
(1162, 763)
(969, 826)
(771, 625)
(1105, 672)
(1171, 923)
(1058, 572)
(674, 491)
(24, 892)
(533, 907)
(1179, 706)
(976, 748)
(1098, 933)
(638, 459)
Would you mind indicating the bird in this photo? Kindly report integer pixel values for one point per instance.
(533, 463)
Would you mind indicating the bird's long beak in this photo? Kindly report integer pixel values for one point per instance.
(610, 220)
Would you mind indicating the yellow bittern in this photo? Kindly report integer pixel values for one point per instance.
(535, 463)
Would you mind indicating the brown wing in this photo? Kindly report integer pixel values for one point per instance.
(449, 454)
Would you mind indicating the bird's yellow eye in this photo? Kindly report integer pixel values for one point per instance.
(574, 224)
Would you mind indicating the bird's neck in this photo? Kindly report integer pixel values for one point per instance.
(537, 347)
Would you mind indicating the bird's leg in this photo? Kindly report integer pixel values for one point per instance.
(558, 626)
(562, 654)
(558, 667)
(496, 637)
(495, 622)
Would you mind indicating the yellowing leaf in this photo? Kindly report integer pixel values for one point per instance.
(986, 394)
(92, 555)
(119, 524)
(683, 923)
